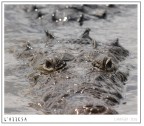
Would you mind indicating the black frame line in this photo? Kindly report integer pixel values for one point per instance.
(2, 65)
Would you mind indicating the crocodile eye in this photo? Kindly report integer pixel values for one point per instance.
(108, 63)
(48, 64)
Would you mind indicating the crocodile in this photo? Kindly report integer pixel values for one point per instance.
(88, 83)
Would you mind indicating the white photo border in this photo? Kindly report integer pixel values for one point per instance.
(73, 119)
